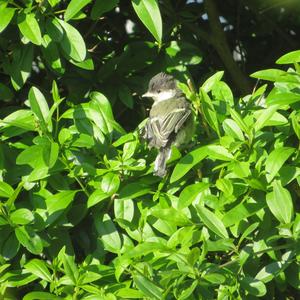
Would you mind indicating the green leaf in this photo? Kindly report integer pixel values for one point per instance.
(148, 287)
(280, 203)
(275, 161)
(70, 266)
(20, 68)
(51, 54)
(215, 278)
(22, 216)
(103, 103)
(242, 211)
(126, 293)
(231, 128)
(54, 29)
(212, 221)
(87, 64)
(96, 197)
(124, 209)
(38, 173)
(40, 107)
(295, 117)
(21, 118)
(241, 169)
(264, 116)
(108, 233)
(31, 156)
(225, 185)
(129, 149)
(133, 190)
(53, 2)
(101, 7)
(293, 276)
(129, 137)
(38, 268)
(268, 272)
(5, 190)
(248, 231)
(50, 154)
(187, 162)
(57, 204)
(209, 111)
(11, 200)
(100, 112)
(253, 286)
(145, 248)
(275, 75)
(55, 95)
(289, 58)
(277, 119)
(148, 12)
(211, 81)
(171, 215)
(89, 277)
(41, 295)
(74, 7)
(282, 98)
(30, 28)
(191, 193)
(110, 183)
(10, 247)
(222, 93)
(6, 14)
(17, 278)
(72, 43)
(239, 121)
(218, 152)
(187, 292)
(29, 239)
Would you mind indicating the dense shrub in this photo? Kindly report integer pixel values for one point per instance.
(81, 214)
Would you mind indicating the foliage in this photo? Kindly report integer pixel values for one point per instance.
(82, 216)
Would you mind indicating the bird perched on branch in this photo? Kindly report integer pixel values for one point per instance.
(170, 120)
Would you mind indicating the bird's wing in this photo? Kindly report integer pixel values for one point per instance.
(174, 120)
(163, 128)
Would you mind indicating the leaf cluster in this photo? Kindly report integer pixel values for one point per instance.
(81, 214)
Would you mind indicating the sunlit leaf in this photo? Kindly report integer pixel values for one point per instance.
(275, 161)
(7, 14)
(74, 7)
(39, 268)
(72, 42)
(289, 58)
(30, 28)
(212, 221)
(280, 203)
(149, 14)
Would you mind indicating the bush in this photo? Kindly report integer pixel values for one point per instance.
(83, 217)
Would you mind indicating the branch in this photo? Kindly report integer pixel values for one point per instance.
(219, 42)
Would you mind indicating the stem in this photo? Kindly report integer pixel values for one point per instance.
(15, 4)
(65, 162)
(59, 11)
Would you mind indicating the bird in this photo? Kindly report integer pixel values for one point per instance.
(170, 121)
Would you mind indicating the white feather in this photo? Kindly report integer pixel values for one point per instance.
(163, 96)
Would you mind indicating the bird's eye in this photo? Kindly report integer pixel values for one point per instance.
(159, 91)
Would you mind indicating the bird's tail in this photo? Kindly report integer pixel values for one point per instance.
(160, 164)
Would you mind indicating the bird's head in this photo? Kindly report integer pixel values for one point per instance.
(161, 87)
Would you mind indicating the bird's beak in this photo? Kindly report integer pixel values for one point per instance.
(148, 94)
